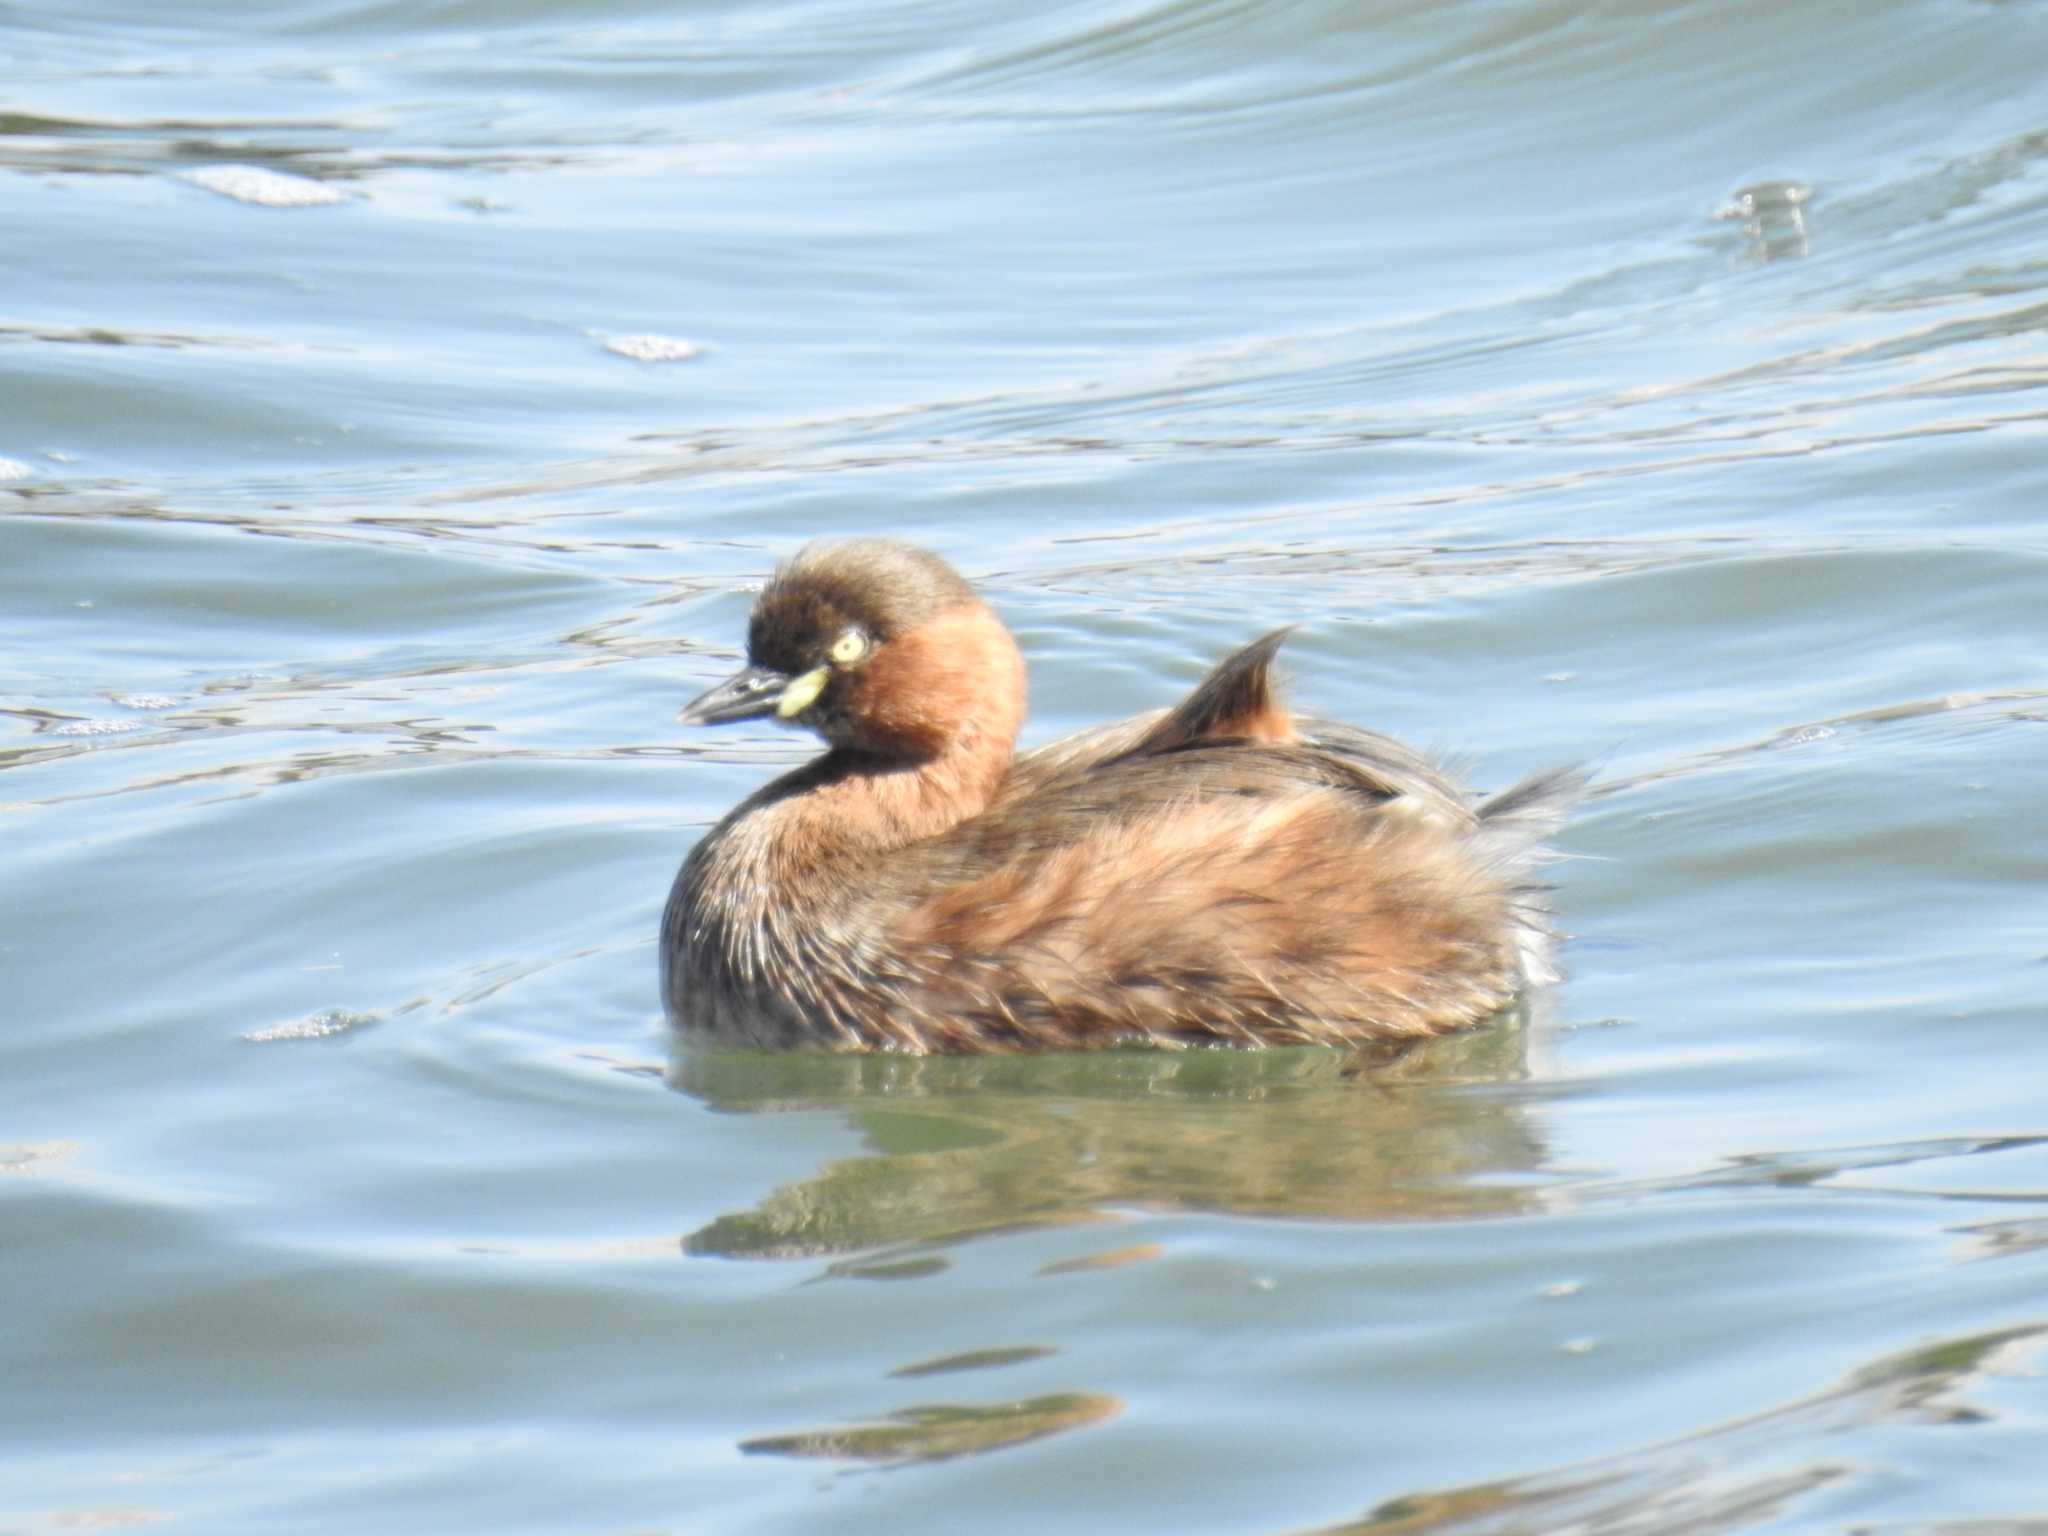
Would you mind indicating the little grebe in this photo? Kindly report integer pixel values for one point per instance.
(1220, 873)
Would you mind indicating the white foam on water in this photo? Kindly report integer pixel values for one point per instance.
(266, 189)
(647, 347)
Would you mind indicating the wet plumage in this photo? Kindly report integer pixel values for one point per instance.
(1220, 873)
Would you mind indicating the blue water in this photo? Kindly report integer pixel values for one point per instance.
(399, 405)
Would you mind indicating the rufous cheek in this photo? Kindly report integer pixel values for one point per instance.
(957, 673)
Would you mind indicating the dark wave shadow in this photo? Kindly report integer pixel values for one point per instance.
(1756, 1471)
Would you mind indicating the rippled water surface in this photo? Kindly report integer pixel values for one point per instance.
(398, 405)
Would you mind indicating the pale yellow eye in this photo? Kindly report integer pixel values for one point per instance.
(849, 648)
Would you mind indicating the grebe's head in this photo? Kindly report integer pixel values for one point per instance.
(879, 647)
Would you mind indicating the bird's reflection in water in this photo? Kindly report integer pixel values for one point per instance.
(968, 1147)
(963, 1147)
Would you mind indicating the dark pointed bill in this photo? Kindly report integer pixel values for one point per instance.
(746, 695)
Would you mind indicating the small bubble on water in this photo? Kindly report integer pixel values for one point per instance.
(1766, 199)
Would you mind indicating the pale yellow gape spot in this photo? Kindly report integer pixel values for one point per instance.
(801, 693)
